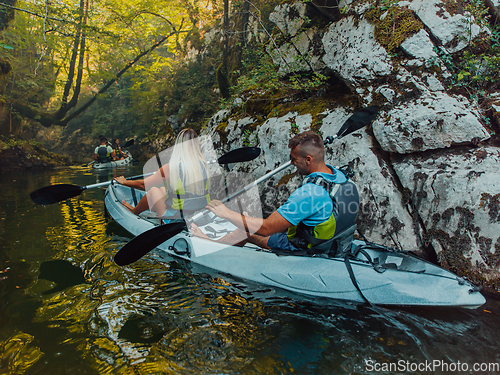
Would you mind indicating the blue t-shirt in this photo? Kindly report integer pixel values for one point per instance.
(311, 203)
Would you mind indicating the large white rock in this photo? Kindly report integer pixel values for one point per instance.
(352, 51)
(453, 32)
(289, 17)
(431, 121)
(274, 135)
(419, 46)
(298, 54)
(383, 217)
(458, 198)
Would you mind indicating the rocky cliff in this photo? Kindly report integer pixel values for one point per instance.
(427, 168)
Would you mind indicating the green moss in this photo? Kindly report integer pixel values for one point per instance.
(453, 7)
(397, 25)
(285, 179)
(221, 130)
(19, 154)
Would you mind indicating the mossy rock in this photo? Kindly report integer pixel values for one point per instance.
(398, 24)
(19, 155)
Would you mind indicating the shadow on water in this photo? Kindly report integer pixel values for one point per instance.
(65, 306)
(61, 272)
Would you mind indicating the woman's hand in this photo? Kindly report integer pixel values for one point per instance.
(121, 180)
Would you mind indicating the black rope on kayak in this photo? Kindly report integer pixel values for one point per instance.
(353, 277)
(134, 197)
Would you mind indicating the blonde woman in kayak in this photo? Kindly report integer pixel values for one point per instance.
(181, 184)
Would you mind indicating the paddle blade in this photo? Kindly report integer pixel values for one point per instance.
(55, 193)
(357, 120)
(129, 143)
(239, 155)
(147, 241)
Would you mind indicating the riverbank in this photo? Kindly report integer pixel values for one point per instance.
(20, 154)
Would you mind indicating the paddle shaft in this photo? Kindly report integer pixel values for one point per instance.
(106, 183)
(328, 140)
(245, 188)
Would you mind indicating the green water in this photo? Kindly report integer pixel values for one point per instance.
(65, 307)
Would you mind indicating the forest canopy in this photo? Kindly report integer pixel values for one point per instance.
(62, 56)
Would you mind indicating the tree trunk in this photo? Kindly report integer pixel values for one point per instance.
(78, 49)
(243, 36)
(65, 121)
(222, 70)
(494, 11)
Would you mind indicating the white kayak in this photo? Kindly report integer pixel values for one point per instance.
(115, 164)
(379, 275)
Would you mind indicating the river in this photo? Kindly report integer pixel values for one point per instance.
(66, 307)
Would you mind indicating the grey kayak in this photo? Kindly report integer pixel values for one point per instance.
(115, 164)
(383, 276)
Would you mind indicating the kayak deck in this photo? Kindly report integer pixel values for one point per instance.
(398, 278)
(115, 164)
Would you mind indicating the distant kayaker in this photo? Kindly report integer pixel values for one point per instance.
(324, 205)
(115, 145)
(181, 184)
(104, 153)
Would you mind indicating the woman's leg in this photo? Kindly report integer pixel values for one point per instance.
(141, 206)
(156, 200)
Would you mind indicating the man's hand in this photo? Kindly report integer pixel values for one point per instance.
(218, 208)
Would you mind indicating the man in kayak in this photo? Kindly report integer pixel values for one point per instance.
(104, 152)
(180, 184)
(323, 206)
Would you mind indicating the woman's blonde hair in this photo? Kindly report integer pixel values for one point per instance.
(187, 164)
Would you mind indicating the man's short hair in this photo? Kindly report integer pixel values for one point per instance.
(311, 144)
(310, 137)
(102, 139)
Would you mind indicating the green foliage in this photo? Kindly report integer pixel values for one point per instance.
(11, 142)
(116, 33)
(475, 69)
(475, 14)
(387, 4)
(188, 91)
(248, 139)
(260, 76)
(294, 128)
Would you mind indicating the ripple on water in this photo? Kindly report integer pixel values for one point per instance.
(166, 316)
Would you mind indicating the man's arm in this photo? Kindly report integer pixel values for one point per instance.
(265, 227)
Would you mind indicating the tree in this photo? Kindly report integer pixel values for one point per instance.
(128, 30)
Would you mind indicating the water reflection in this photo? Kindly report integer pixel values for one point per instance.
(66, 307)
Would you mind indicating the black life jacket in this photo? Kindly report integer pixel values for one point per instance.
(335, 235)
(103, 155)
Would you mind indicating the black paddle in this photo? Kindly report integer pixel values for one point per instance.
(156, 238)
(57, 193)
(129, 143)
(148, 240)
